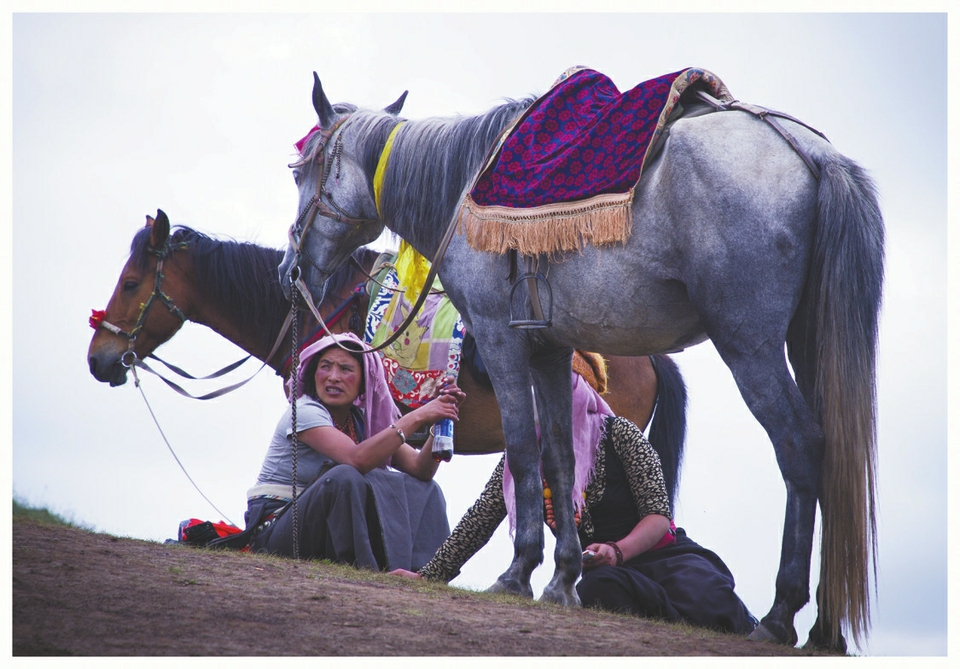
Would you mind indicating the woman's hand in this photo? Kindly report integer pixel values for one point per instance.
(406, 574)
(421, 464)
(445, 405)
(604, 556)
(644, 536)
(449, 387)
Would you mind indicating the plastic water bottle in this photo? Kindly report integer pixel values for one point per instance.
(443, 440)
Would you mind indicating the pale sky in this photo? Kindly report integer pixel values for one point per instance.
(116, 115)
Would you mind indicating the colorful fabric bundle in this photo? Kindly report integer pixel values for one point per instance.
(430, 349)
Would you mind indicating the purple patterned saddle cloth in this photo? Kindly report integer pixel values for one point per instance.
(578, 150)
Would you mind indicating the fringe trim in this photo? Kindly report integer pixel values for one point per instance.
(548, 229)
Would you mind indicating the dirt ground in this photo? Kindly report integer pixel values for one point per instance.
(77, 592)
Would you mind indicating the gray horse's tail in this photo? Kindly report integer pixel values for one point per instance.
(842, 298)
(668, 428)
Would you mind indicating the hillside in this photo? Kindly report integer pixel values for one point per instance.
(77, 592)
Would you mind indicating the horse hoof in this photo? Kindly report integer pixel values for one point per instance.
(763, 633)
(819, 641)
(511, 588)
(561, 596)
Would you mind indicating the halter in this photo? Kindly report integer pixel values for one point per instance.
(131, 360)
(317, 206)
(157, 294)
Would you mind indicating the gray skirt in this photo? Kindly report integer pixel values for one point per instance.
(382, 520)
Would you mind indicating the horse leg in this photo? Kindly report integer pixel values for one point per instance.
(820, 636)
(508, 364)
(552, 386)
(769, 391)
(825, 633)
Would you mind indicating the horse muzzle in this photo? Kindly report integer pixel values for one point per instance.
(301, 276)
(107, 369)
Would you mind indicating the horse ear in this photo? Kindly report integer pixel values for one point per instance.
(321, 104)
(396, 106)
(159, 230)
(150, 221)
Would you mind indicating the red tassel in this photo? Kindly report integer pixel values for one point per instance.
(96, 318)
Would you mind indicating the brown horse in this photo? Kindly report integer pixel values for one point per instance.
(232, 288)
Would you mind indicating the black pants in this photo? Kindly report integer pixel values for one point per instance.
(684, 582)
(337, 521)
(381, 520)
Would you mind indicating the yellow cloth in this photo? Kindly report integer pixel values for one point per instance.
(412, 270)
(381, 170)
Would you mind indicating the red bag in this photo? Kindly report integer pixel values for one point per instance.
(201, 532)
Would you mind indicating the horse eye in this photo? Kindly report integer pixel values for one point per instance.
(130, 285)
(296, 177)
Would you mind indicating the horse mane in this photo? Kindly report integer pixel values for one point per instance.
(241, 277)
(428, 182)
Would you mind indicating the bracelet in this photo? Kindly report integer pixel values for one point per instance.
(403, 437)
(616, 548)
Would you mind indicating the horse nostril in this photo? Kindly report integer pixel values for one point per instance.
(93, 365)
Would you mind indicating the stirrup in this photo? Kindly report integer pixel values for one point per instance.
(539, 321)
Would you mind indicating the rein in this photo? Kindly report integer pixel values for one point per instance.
(316, 205)
(335, 316)
(136, 362)
(136, 381)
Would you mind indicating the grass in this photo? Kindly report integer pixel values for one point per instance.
(24, 511)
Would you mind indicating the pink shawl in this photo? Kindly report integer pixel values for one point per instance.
(379, 411)
(589, 415)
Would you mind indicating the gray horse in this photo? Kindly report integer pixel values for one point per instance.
(734, 238)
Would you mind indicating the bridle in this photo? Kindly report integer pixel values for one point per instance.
(316, 205)
(131, 360)
(156, 295)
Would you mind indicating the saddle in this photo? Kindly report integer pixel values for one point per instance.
(563, 174)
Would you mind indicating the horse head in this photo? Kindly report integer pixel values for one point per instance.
(337, 204)
(130, 328)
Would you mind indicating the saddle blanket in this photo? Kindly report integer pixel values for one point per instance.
(428, 350)
(564, 173)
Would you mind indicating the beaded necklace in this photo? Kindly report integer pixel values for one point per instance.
(548, 507)
(349, 429)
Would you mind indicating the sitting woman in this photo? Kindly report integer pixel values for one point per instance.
(641, 563)
(351, 507)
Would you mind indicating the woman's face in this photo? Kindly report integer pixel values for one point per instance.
(337, 378)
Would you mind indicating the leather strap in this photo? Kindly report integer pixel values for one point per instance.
(769, 115)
